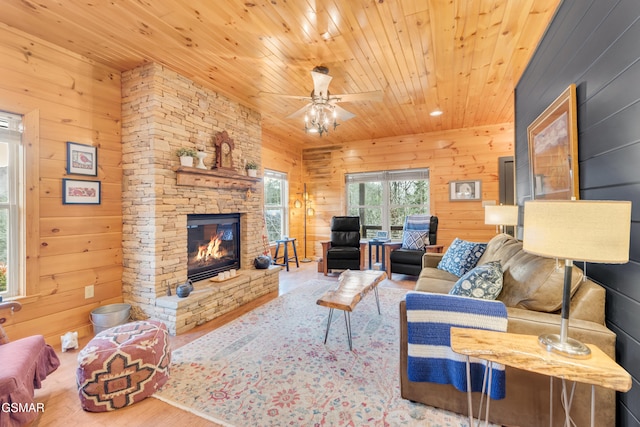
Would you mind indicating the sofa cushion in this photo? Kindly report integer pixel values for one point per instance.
(484, 281)
(529, 281)
(462, 256)
(535, 283)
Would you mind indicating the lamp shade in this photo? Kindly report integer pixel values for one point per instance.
(584, 230)
(501, 215)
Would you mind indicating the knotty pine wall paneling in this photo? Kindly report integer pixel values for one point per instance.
(286, 157)
(451, 155)
(64, 97)
(594, 44)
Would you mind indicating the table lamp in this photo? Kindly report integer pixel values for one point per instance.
(584, 230)
(501, 216)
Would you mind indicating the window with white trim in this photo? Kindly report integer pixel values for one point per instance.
(11, 199)
(276, 197)
(383, 199)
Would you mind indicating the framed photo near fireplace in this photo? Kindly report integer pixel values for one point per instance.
(553, 150)
(82, 159)
(79, 192)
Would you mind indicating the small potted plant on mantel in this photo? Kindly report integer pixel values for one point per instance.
(252, 168)
(186, 156)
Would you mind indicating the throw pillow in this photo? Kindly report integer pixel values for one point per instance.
(461, 256)
(484, 281)
(415, 239)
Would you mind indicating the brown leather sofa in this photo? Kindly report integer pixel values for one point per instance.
(532, 292)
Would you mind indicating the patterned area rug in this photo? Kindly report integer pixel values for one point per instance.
(271, 368)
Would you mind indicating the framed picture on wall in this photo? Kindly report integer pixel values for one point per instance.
(80, 192)
(460, 191)
(553, 149)
(82, 159)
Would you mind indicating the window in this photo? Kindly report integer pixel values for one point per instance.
(276, 196)
(383, 199)
(10, 201)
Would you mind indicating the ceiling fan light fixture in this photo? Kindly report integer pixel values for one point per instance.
(317, 119)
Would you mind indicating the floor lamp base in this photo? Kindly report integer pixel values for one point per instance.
(570, 348)
(305, 260)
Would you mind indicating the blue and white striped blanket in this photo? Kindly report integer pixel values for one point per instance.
(429, 320)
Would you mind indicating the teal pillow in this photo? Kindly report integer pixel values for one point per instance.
(461, 256)
(484, 281)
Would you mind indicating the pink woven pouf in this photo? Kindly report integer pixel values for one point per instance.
(123, 365)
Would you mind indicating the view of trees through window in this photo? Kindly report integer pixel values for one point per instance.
(275, 204)
(383, 199)
(10, 166)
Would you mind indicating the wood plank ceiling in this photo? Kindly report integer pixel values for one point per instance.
(463, 57)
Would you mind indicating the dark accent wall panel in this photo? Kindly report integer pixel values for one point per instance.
(594, 44)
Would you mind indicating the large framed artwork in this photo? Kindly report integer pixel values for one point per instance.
(553, 149)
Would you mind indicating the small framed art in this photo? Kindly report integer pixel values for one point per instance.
(464, 190)
(82, 159)
(79, 192)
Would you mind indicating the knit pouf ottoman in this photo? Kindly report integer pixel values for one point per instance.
(123, 365)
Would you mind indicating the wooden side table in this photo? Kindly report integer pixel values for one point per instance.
(524, 352)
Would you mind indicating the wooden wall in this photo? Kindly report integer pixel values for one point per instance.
(594, 44)
(64, 97)
(286, 157)
(453, 155)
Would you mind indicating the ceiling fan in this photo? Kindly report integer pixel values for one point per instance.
(322, 111)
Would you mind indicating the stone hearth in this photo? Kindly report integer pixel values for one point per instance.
(161, 112)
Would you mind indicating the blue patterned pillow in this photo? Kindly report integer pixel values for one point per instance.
(461, 256)
(413, 239)
(484, 281)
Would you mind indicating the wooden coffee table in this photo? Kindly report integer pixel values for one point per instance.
(352, 287)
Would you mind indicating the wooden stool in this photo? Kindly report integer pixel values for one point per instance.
(285, 257)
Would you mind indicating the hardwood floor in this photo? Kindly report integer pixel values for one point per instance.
(59, 393)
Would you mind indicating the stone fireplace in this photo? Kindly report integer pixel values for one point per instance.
(161, 112)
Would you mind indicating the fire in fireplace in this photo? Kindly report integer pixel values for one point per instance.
(213, 244)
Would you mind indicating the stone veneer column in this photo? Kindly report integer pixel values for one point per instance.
(161, 112)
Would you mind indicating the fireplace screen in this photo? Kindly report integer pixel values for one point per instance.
(213, 245)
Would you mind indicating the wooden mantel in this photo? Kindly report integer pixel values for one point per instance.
(214, 178)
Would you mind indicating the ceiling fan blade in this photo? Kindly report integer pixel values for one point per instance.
(280, 95)
(298, 113)
(342, 114)
(320, 83)
(375, 96)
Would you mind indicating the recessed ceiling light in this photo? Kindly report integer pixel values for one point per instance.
(435, 113)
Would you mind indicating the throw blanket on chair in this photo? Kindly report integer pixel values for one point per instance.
(429, 320)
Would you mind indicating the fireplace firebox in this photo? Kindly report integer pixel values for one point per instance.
(213, 244)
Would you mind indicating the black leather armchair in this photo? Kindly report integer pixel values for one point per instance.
(409, 261)
(343, 252)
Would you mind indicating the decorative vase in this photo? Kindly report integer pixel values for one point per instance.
(261, 262)
(186, 161)
(184, 289)
(201, 156)
(252, 172)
